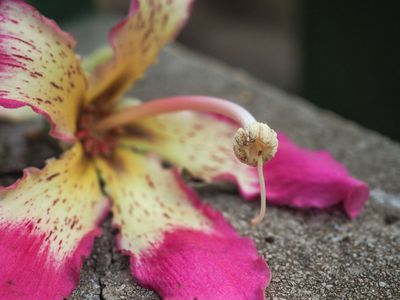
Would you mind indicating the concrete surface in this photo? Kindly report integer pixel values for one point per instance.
(312, 254)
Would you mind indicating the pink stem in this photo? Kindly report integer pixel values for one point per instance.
(178, 103)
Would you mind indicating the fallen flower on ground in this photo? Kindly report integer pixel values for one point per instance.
(177, 245)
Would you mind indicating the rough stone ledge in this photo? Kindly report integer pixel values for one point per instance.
(312, 254)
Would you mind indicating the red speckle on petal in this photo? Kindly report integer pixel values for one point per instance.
(150, 182)
(52, 176)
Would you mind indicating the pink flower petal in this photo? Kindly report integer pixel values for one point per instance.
(48, 221)
(28, 270)
(38, 67)
(202, 144)
(304, 178)
(192, 265)
(178, 246)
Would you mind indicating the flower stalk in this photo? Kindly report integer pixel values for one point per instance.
(178, 103)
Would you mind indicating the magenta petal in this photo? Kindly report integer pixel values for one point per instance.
(191, 264)
(27, 271)
(194, 265)
(304, 178)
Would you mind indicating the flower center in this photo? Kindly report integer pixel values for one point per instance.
(253, 145)
(96, 142)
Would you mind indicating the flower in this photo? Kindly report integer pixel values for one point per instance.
(177, 245)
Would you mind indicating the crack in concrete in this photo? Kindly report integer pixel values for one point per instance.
(101, 295)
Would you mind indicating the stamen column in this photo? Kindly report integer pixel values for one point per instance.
(253, 144)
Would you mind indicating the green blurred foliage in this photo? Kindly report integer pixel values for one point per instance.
(62, 11)
(352, 60)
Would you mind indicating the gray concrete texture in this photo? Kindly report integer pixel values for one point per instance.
(312, 254)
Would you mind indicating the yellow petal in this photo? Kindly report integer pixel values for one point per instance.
(136, 42)
(177, 245)
(198, 142)
(39, 68)
(147, 200)
(66, 192)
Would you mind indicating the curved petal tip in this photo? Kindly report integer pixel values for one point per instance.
(304, 178)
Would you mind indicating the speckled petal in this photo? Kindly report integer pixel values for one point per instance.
(136, 42)
(38, 67)
(200, 143)
(178, 246)
(48, 221)
(304, 178)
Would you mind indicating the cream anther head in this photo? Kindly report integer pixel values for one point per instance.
(255, 140)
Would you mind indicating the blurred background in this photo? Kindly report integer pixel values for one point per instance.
(341, 55)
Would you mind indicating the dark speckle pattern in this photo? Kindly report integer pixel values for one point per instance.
(137, 41)
(60, 203)
(38, 67)
(198, 142)
(147, 200)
